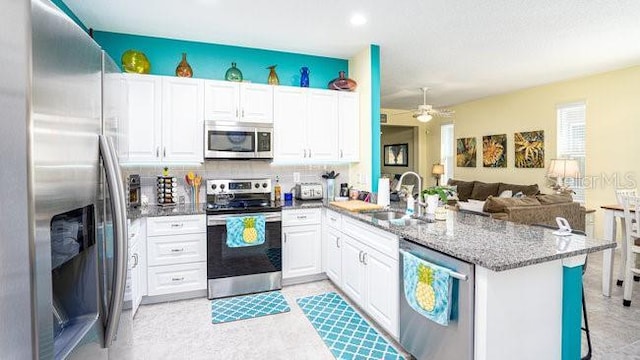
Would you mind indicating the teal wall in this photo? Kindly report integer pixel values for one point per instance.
(375, 116)
(211, 61)
(60, 4)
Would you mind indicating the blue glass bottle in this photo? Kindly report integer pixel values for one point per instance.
(304, 76)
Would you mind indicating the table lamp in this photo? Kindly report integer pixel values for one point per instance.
(560, 169)
(437, 170)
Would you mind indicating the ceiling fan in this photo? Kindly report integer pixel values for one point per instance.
(426, 112)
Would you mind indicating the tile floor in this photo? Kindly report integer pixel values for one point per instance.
(183, 330)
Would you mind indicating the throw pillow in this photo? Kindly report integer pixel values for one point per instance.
(554, 199)
(464, 188)
(529, 190)
(481, 191)
(471, 205)
(498, 205)
(519, 195)
(506, 194)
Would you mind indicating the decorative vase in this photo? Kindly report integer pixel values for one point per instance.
(184, 69)
(331, 195)
(233, 73)
(342, 83)
(304, 76)
(273, 77)
(432, 203)
(134, 61)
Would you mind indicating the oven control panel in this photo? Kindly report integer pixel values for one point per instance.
(240, 186)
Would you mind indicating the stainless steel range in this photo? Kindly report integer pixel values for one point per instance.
(247, 269)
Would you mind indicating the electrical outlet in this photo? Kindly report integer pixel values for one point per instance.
(296, 177)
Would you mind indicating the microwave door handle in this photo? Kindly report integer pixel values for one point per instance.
(118, 210)
(255, 143)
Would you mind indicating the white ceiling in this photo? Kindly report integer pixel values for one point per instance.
(461, 49)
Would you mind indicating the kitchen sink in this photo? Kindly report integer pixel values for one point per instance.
(387, 215)
(395, 218)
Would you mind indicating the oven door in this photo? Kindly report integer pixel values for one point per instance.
(243, 270)
(228, 140)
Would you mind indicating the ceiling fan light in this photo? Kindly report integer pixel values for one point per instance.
(424, 117)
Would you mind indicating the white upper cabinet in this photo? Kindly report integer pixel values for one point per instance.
(290, 123)
(349, 126)
(232, 101)
(322, 125)
(183, 123)
(315, 126)
(144, 117)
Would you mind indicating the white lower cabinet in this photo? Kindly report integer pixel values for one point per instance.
(366, 275)
(136, 285)
(301, 243)
(334, 244)
(176, 254)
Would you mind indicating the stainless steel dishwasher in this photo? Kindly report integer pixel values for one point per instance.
(425, 339)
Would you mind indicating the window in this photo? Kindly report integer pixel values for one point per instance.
(446, 152)
(571, 142)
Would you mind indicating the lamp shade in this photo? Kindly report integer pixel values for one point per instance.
(563, 168)
(437, 169)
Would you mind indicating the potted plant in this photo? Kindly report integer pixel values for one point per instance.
(432, 196)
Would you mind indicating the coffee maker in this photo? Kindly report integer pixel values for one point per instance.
(133, 186)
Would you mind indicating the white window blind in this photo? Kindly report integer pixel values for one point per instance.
(571, 120)
(446, 152)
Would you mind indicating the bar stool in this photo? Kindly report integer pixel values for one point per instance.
(584, 303)
(631, 206)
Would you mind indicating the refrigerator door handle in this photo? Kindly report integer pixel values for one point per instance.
(120, 243)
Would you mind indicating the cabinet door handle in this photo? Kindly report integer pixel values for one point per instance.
(177, 225)
(341, 154)
(338, 242)
(236, 112)
(177, 278)
(309, 152)
(164, 152)
(243, 113)
(285, 237)
(301, 217)
(177, 250)
(157, 151)
(364, 258)
(135, 261)
(305, 153)
(360, 256)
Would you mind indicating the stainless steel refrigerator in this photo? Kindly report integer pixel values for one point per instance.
(63, 237)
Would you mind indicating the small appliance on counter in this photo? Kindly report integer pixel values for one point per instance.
(308, 191)
(344, 190)
(133, 189)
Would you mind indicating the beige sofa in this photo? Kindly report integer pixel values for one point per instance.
(533, 208)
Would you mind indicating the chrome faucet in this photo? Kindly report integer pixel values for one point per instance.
(418, 202)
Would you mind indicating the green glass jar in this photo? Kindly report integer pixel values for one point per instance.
(233, 73)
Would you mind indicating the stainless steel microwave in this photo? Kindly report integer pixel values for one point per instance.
(233, 140)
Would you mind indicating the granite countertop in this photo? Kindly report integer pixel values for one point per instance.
(155, 210)
(303, 204)
(497, 245)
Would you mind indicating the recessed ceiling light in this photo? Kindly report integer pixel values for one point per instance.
(358, 20)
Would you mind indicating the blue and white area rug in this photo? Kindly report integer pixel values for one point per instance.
(248, 306)
(344, 331)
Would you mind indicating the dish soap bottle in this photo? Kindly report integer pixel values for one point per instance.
(277, 190)
(410, 205)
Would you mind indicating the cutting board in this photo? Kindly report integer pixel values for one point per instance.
(356, 205)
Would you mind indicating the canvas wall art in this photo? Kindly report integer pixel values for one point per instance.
(466, 152)
(529, 149)
(494, 151)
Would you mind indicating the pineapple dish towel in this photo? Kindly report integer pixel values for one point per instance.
(245, 231)
(427, 288)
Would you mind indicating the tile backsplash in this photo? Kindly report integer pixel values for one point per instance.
(234, 169)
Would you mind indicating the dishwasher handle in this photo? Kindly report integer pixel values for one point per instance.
(454, 274)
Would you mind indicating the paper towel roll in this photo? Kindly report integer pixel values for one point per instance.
(383, 192)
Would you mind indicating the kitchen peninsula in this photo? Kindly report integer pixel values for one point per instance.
(528, 281)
